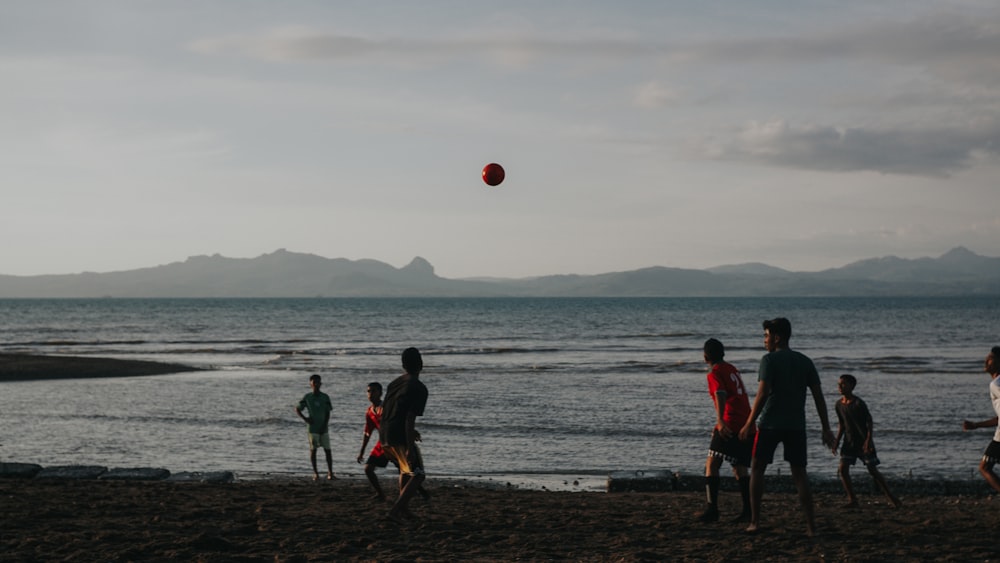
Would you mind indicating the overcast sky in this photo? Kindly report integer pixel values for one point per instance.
(634, 133)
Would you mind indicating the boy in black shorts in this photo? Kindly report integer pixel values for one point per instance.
(377, 458)
(732, 408)
(856, 428)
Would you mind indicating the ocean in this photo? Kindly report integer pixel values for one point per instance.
(553, 393)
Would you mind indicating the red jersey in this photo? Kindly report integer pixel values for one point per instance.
(725, 377)
(373, 419)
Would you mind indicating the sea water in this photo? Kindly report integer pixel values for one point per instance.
(537, 392)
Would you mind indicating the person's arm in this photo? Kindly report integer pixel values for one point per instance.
(411, 430)
(298, 411)
(720, 413)
(869, 432)
(364, 445)
(824, 418)
(840, 430)
(763, 390)
(326, 421)
(988, 423)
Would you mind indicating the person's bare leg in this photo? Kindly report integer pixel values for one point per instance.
(743, 480)
(401, 507)
(844, 472)
(312, 458)
(329, 464)
(757, 469)
(986, 469)
(373, 479)
(880, 481)
(801, 479)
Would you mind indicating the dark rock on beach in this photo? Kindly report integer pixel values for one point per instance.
(24, 367)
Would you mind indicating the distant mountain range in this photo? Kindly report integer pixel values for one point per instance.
(290, 274)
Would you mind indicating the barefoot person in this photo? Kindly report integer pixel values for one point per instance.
(783, 378)
(377, 457)
(319, 407)
(992, 455)
(856, 427)
(405, 399)
(731, 411)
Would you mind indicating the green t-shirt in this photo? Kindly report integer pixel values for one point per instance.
(789, 374)
(319, 407)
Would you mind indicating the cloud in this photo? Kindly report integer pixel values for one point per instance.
(949, 45)
(654, 95)
(291, 44)
(921, 152)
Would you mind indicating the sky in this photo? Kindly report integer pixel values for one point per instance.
(802, 134)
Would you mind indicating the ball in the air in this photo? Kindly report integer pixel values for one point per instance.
(493, 174)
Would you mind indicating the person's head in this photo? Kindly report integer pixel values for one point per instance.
(412, 362)
(714, 351)
(846, 384)
(776, 333)
(315, 381)
(993, 361)
(375, 392)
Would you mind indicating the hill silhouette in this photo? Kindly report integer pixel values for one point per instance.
(290, 274)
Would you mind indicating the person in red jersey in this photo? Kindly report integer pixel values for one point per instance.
(377, 457)
(732, 407)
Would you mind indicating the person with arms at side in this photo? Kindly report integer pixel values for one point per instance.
(405, 400)
(992, 454)
(319, 406)
(784, 377)
(856, 427)
(725, 385)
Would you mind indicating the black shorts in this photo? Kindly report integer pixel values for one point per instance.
(794, 442)
(732, 449)
(992, 453)
(850, 455)
(377, 460)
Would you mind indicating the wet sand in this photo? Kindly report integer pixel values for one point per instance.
(299, 520)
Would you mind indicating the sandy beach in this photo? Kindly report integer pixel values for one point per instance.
(300, 520)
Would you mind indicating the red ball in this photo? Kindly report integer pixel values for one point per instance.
(493, 174)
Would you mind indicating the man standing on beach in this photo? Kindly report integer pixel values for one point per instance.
(405, 399)
(319, 406)
(992, 454)
(731, 411)
(784, 377)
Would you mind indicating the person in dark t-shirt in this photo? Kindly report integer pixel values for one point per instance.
(405, 399)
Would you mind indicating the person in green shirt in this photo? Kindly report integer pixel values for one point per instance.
(319, 406)
(784, 377)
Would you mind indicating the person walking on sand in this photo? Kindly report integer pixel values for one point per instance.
(783, 377)
(856, 427)
(319, 407)
(405, 400)
(725, 385)
(992, 454)
(377, 457)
